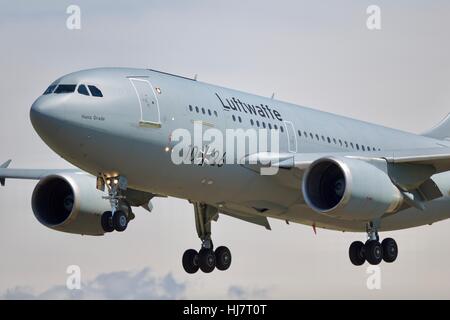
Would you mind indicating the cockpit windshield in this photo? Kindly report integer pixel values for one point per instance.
(83, 90)
(65, 88)
(50, 89)
(70, 88)
(95, 91)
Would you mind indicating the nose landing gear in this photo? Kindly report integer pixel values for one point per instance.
(373, 251)
(207, 259)
(116, 219)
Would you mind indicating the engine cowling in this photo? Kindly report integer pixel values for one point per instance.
(70, 202)
(350, 188)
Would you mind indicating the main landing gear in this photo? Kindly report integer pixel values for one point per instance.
(207, 259)
(117, 219)
(373, 251)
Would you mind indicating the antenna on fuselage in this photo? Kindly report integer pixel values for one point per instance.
(273, 96)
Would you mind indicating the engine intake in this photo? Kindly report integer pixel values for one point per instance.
(53, 201)
(70, 203)
(350, 189)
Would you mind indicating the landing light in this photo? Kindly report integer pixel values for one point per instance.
(167, 149)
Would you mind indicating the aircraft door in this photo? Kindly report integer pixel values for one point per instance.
(148, 102)
(292, 138)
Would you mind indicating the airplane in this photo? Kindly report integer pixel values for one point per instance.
(117, 126)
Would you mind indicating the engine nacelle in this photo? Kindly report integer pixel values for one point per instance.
(350, 189)
(70, 202)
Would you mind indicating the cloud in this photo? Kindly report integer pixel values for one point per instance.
(241, 293)
(114, 285)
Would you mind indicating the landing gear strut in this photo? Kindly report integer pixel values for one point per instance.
(116, 219)
(206, 259)
(373, 251)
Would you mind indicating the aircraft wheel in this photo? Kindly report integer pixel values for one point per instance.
(190, 261)
(223, 258)
(356, 253)
(390, 250)
(373, 252)
(120, 221)
(106, 221)
(206, 260)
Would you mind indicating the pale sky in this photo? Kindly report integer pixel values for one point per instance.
(313, 53)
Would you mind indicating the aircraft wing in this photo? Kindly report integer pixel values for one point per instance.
(438, 158)
(410, 170)
(30, 174)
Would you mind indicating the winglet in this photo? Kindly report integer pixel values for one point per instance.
(5, 165)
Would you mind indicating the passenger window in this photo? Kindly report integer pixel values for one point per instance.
(281, 128)
(311, 135)
(209, 112)
(334, 140)
(65, 88)
(95, 91)
(270, 126)
(50, 89)
(323, 138)
(257, 123)
(233, 117)
(264, 125)
(363, 149)
(346, 144)
(275, 127)
(351, 144)
(83, 90)
(328, 139)
(252, 122)
(357, 146)
(240, 119)
(317, 137)
(203, 110)
(197, 110)
(306, 135)
(299, 133)
(340, 142)
(215, 113)
(190, 108)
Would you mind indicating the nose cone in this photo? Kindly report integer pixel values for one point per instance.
(46, 116)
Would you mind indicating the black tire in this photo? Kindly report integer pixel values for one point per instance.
(120, 221)
(223, 258)
(390, 250)
(206, 260)
(106, 221)
(190, 261)
(356, 253)
(373, 252)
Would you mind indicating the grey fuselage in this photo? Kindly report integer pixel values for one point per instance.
(119, 134)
